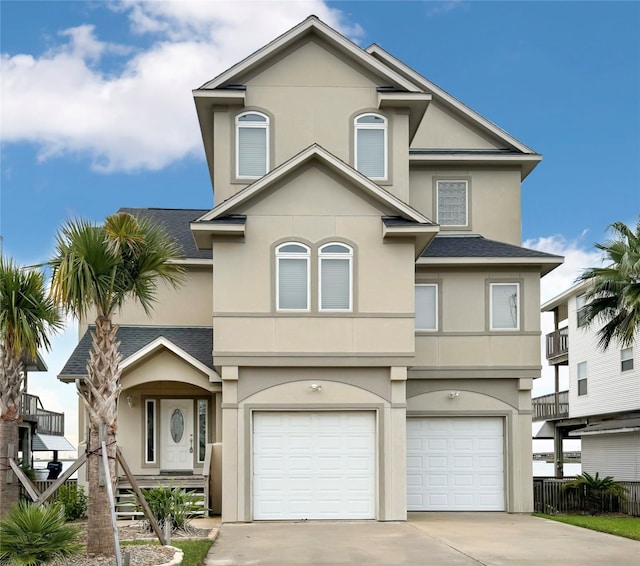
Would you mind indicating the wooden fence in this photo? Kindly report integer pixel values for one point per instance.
(549, 496)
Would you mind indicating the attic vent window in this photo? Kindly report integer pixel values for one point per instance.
(371, 145)
(252, 145)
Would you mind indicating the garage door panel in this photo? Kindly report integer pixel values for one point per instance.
(326, 465)
(455, 463)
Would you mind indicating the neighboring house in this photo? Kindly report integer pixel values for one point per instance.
(40, 430)
(364, 340)
(602, 404)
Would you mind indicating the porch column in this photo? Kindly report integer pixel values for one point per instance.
(230, 493)
(558, 454)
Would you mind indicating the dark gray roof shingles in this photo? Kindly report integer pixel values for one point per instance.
(176, 222)
(196, 341)
(478, 246)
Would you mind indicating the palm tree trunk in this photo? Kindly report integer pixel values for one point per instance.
(11, 372)
(101, 395)
(9, 492)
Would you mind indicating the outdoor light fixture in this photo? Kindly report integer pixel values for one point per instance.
(454, 394)
(130, 401)
(315, 387)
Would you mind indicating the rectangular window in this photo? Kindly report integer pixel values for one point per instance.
(505, 306)
(371, 145)
(626, 359)
(293, 275)
(452, 203)
(203, 406)
(581, 311)
(150, 431)
(426, 300)
(582, 378)
(252, 152)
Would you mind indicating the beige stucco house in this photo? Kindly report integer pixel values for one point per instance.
(360, 330)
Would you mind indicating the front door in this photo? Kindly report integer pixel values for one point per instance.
(176, 453)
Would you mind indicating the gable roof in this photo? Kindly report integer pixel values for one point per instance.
(470, 249)
(449, 100)
(233, 204)
(193, 344)
(311, 25)
(175, 221)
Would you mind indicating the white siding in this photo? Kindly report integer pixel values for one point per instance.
(616, 455)
(609, 389)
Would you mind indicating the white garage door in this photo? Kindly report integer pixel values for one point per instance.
(310, 465)
(455, 464)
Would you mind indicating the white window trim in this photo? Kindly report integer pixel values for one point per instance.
(436, 312)
(265, 126)
(385, 137)
(584, 378)
(517, 326)
(329, 255)
(155, 431)
(290, 255)
(206, 428)
(466, 202)
(626, 359)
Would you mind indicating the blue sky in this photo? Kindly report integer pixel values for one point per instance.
(97, 110)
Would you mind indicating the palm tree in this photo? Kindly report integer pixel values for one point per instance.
(95, 269)
(613, 296)
(595, 488)
(27, 317)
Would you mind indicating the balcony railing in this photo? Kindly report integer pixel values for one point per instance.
(558, 346)
(48, 422)
(552, 406)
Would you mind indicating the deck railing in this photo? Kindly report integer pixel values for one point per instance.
(552, 406)
(48, 422)
(558, 345)
(550, 496)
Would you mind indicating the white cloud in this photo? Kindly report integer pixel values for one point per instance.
(141, 117)
(578, 256)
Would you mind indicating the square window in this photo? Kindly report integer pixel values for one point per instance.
(626, 359)
(452, 203)
(426, 303)
(582, 378)
(505, 306)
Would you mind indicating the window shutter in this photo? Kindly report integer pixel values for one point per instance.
(252, 152)
(292, 283)
(426, 307)
(452, 203)
(504, 306)
(335, 284)
(370, 152)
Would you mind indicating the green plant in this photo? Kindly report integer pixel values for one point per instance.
(628, 527)
(31, 535)
(74, 501)
(595, 488)
(171, 501)
(28, 471)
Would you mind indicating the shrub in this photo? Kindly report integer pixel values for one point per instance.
(171, 501)
(595, 488)
(71, 496)
(31, 535)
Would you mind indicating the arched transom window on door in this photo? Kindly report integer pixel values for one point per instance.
(371, 145)
(335, 267)
(252, 145)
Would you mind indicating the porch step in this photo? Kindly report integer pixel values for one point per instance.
(126, 503)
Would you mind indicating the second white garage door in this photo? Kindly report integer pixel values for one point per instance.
(314, 465)
(455, 464)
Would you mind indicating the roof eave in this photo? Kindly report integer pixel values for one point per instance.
(423, 234)
(526, 162)
(564, 297)
(546, 265)
(415, 102)
(205, 232)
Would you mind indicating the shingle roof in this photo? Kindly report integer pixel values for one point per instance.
(196, 341)
(176, 222)
(474, 245)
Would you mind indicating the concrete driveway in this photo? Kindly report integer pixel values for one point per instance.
(439, 539)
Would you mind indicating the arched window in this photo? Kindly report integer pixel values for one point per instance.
(252, 145)
(292, 277)
(336, 274)
(371, 145)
